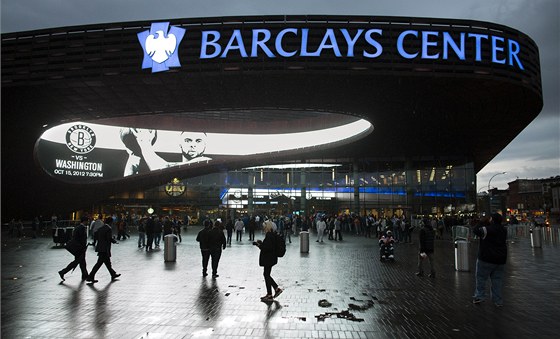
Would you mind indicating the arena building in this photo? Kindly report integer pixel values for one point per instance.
(261, 114)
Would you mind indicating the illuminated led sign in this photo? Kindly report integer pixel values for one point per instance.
(97, 153)
(160, 46)
(349, 43)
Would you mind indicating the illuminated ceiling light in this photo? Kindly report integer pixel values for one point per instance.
(294, 166)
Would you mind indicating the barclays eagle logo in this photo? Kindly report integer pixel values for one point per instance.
(160, 47)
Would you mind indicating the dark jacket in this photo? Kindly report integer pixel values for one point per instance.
(268, 256)
(252, 225)
(104, 236)
(493, 243)
(427, 239)
(167, 227)
(203, 237)
(216, 239)
(80, 236)
(150, 226)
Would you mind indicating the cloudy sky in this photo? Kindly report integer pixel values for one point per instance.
(535, 153)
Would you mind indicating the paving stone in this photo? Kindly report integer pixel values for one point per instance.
(155, 299)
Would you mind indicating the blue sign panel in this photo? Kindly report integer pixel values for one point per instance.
(160, 46)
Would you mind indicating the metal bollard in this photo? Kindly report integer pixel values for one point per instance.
(304, 242)
(461, 255)
(536, 237)
(170, 248)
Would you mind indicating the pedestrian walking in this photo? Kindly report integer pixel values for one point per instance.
(142, 232)
(426, 240)
(150, 230)
(216, 242)
(239, 229)
(104, 237)
(267, 259)
(321, 226)
(288, 229)
(492, 257)
(77, 246)
(203, 238)
(229, 229)
(337, 229)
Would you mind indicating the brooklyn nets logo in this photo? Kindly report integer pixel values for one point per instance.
(80, 139)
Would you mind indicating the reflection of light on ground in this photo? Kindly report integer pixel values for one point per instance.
(153, 320)
(280, 320)
(227, 322)
(249, 318)
(203, 333)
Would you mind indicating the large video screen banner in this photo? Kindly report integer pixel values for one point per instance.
(83, 152)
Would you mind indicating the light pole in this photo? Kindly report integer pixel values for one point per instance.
(493, 178)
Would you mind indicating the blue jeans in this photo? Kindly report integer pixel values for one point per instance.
(495, 272)
(141, 239)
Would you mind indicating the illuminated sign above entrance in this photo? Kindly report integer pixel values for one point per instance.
(364, 43)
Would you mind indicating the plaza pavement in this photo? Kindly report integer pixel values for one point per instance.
(368, 298)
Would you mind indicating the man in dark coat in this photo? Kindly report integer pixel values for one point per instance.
(216, 242)
(104, 236)
(77, 246)
(203, 237)
(150, 230)
(426, 238)
(491, 261)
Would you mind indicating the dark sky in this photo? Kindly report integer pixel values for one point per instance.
(535, 153)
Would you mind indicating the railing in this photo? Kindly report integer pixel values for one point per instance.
(515, 233)
(43, 230)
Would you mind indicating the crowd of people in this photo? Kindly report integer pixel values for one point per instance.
(386, 231)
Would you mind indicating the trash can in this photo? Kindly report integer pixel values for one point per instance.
(304, 242)
(536, 236)
(461, 255)
(169, 248)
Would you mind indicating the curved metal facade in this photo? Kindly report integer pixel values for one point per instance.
(420, 107)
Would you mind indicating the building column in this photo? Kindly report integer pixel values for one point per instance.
(251, 185)
(356, 183)
(303, 193)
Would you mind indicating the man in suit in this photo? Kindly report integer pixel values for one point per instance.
(104, 236)
(77, 246)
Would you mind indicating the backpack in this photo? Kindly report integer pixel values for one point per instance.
(279, 245)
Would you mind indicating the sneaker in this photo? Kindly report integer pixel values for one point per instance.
(419, 274)
(278, 292)
(113, 278)
(267, 297)
(477, 301)
(215, 276)
(92, 281)
(61, 275)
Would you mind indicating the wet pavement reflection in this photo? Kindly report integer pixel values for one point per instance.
(337, 290)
